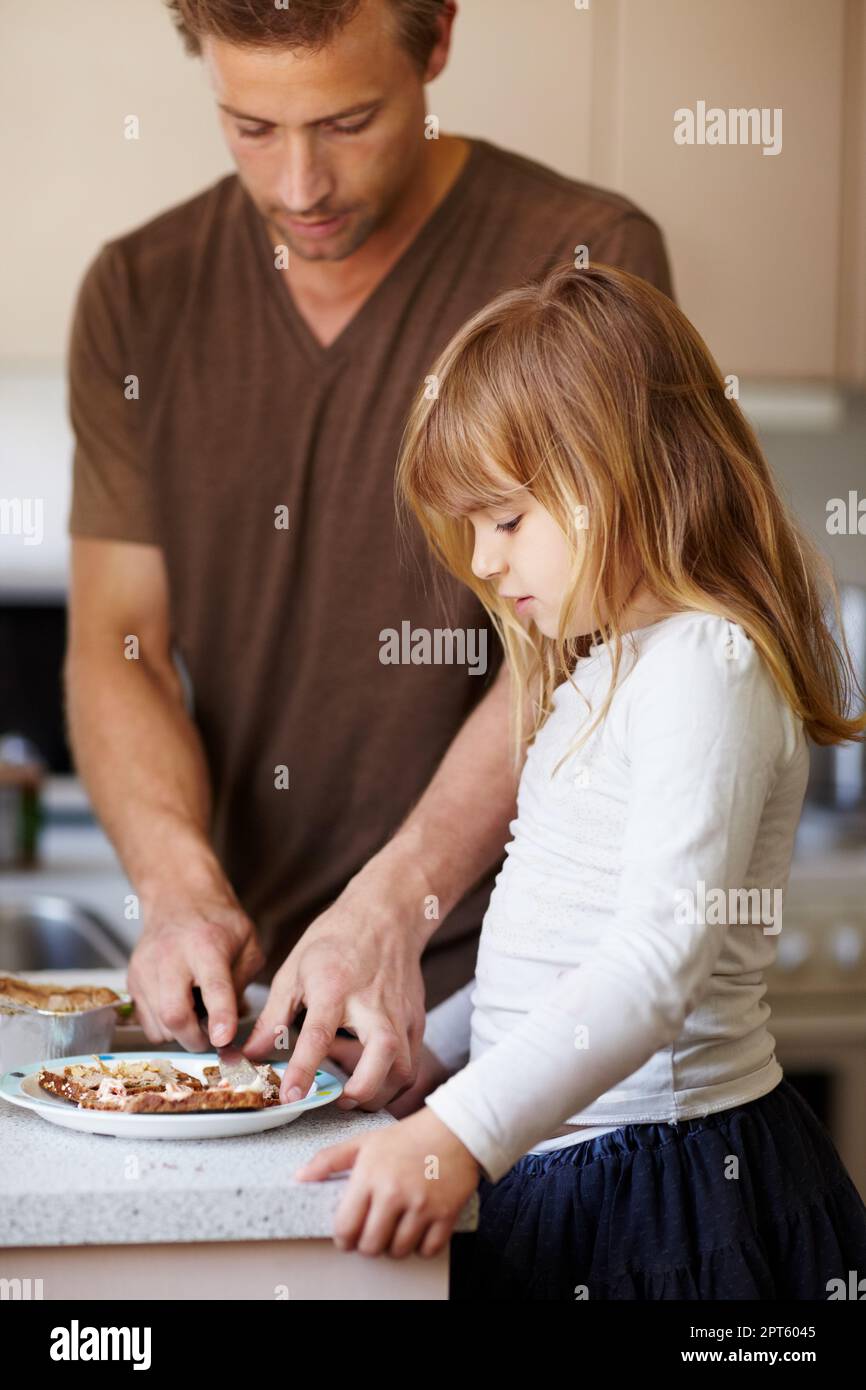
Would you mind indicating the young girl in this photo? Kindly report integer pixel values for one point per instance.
(611, 1079)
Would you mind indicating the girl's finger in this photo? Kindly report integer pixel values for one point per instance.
(437, 1237)
(382, 1218)
(410, 1232)
(337, 1158)
(351, 1214)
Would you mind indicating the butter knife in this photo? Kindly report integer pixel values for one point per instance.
(235, 1068)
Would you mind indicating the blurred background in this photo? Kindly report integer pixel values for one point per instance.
(768, 253)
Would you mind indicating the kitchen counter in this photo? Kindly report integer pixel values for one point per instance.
(94, 1216)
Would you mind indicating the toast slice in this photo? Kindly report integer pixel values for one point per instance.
(103, 1087)
(268, 1086)
(155, 1088)
(208, 1098)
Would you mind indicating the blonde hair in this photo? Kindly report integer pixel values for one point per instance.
(593, 391)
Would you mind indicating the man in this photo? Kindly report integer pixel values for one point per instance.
(325, 811)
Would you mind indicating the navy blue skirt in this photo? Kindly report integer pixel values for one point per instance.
(748, 1203)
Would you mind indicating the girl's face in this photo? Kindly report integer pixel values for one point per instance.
(520, 549)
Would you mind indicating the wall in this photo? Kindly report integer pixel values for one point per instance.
(524, 76)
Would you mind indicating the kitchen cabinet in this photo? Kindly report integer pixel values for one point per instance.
(768, 249)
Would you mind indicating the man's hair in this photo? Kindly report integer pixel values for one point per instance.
(310, 24)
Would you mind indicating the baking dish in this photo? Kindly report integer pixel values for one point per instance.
(28, 1034)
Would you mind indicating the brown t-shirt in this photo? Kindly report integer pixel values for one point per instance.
(239, 411)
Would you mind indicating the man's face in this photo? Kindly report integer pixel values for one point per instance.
(331, 137)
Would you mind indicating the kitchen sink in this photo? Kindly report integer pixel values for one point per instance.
(52, 933)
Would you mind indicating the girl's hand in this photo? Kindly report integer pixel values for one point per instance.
(431, 1073)
(409, 1184)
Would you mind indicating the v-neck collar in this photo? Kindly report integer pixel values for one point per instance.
(307, 340)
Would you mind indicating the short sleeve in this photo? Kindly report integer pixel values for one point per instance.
(635, 243)
(111, 495)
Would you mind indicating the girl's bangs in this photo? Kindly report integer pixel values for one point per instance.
(461, 462)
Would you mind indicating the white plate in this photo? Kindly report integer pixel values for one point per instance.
(21, 1087)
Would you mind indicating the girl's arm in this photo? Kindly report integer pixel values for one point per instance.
(448, 1028)
(704, 738)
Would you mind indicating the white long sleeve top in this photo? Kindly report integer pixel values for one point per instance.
(619, 977)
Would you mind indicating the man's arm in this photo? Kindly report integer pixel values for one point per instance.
(357, 965)
(141, 759)
(459, 826)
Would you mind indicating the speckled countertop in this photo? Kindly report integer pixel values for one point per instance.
(60, 1187)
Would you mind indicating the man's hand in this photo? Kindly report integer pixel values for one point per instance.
(430, 1074)
(192, 936)
(357, 966)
